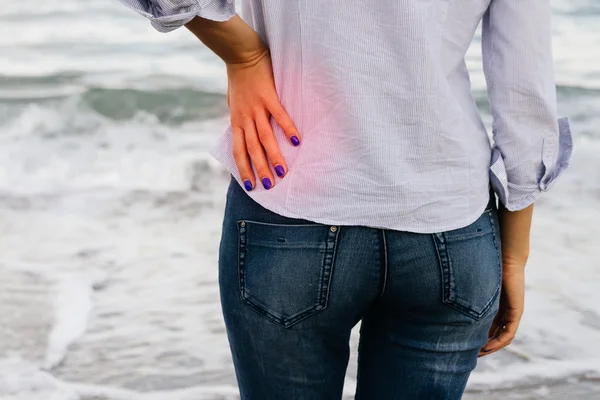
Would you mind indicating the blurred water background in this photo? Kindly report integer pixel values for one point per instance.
(110, 212)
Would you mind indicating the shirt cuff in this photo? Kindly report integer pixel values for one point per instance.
(168, 15)
(555, 160)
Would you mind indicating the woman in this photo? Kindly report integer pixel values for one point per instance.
(360, 191)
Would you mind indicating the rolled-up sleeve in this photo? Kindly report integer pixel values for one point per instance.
(531, 146)
(168, 15)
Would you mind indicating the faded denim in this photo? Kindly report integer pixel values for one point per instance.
(292, 290)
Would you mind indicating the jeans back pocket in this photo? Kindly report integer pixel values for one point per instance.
(285, 270)
(471, 267)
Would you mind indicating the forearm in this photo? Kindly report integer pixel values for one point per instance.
(515, 227)
(234, 41)
(531, 148)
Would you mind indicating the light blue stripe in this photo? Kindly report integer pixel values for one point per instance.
(380, 93)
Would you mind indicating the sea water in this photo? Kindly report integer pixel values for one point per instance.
(110, 213)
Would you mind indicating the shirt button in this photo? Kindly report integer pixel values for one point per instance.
(333, 228)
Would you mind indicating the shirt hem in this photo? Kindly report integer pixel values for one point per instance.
(219, 153)
(423, 228)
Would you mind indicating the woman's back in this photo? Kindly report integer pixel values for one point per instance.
(377, 142)
(381, 95)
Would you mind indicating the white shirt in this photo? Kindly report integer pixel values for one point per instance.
(391, 136)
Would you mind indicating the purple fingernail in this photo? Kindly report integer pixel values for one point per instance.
(486, 351)
(295, 140)
(248, 185)
(279, 170)
(266, 183)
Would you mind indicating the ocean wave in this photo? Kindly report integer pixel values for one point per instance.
(54, 79)
(573, 90)
(169, 106)
(585, 8)
(64, 103)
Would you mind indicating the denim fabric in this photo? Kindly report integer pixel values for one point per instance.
(292, 290)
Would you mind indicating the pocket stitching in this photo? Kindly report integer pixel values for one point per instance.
(327, 271)
(276, 224)
(324, 280)
(448, 298)
(498, 257)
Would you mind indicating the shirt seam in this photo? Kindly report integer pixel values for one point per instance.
(302, 97)
(491, 80)
(492, 45)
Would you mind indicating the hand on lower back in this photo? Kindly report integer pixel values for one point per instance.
(251, 97)
(252, 100)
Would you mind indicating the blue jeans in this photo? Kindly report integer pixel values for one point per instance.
(292, 290)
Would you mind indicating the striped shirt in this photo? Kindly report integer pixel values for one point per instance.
(380, 93)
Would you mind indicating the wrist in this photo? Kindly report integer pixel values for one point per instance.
(514, 262)
(248, 58)
(234, 41)
(512, 271)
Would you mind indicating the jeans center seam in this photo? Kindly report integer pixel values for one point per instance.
(385, 263)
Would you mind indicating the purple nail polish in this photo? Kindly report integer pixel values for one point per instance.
(266, 183)
(295, 140)
(248, 185)
(279, 170)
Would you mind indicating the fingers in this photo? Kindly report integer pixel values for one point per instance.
(284, 120)
(498, 329)
(242, 160)
(496, 326)
(503, 338)
(267, 139)
(255, 147)
(257, 155)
